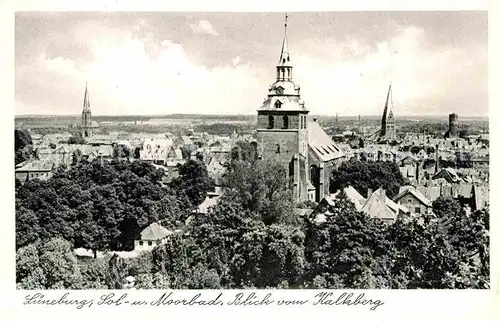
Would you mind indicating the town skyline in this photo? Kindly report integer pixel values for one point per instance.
(433, 71)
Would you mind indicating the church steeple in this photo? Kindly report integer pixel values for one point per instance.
(86, 100)
(284, 67)
(86, 115)
(384, 115)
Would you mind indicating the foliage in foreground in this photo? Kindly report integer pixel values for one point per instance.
(250, 239)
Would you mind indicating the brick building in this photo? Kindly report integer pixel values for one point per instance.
(285, 135)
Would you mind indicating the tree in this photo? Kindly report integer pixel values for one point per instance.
(76, 140)
(121, 151)
(92, 205)
(364, 175)
(193, 181)
(345, 250)
(50, 265)
(415, 149)
(117, 272)
(260, 187)
(22, 139)
(446, 207)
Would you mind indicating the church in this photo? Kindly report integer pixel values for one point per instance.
(285, 134)
(88, 127)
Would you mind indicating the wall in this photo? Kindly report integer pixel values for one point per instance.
(263, 120)
(411, 202)
(145, 245)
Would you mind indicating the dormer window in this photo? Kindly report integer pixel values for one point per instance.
(280, 90)
(277, 104)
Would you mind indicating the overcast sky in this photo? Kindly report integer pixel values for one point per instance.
(163, 63)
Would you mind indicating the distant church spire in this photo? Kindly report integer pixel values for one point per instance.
(383, 130)
(86, 99)
(86, 115)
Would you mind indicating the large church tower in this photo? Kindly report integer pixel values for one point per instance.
(282, 125)
(86, 116)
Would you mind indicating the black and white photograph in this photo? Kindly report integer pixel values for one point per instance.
(251, 150)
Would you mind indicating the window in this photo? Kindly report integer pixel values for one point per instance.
(330, 148)
(150, 243)
(417, 210)
(410, 200)
(285, 122)
(277, 148)
(271, 122)
(141, 243)
(277, 104)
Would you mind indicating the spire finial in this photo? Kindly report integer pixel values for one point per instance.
(284, 56)
(286, 20)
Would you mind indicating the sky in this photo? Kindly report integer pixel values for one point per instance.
(223, 63)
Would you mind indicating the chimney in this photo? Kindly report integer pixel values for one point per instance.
(417, 173)
(437, 159)
(370, 192)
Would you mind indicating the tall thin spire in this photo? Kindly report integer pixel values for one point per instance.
(285, 56)
(86, 99)
(384, 115)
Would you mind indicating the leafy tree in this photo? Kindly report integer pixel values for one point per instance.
(117, 272)
(415, 149)
(364, 175)
(446, 207)
(193, 181)
(93, 205)
(50, 265)
(262, 188)
(76, 140)
(121, 151)
(344, 250)
(93, 274)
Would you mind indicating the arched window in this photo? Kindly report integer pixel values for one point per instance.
(271, 122)
(285, 122)
(278, 150)
(277, 104)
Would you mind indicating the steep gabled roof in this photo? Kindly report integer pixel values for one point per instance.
(353, 195)
(404, 190)
(376, 206)
(154, 232)
(323, 147)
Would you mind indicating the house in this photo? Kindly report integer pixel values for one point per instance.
(352, 194)
(378, 205)
(414, 200)
(128, 282)
(155, 150)
(34, 170)
(209, 202)
(448, 174)
(174, 157)
(151, 236)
